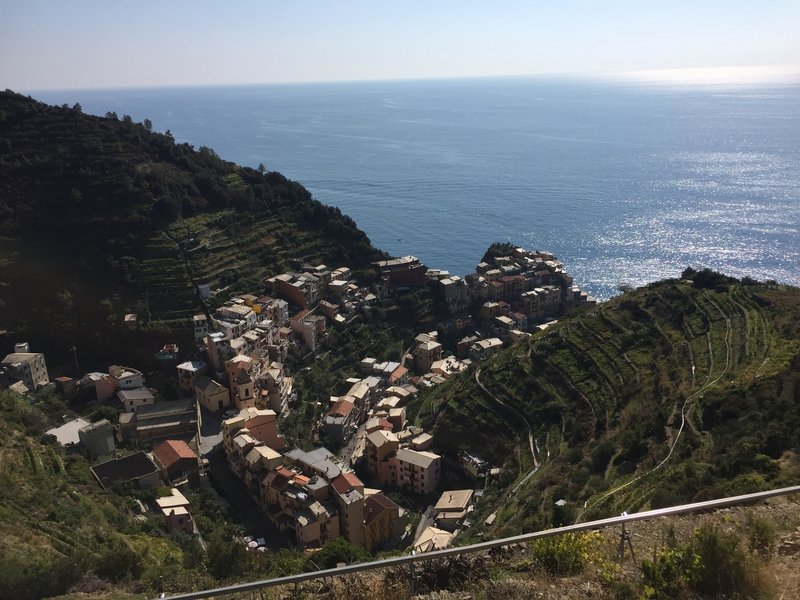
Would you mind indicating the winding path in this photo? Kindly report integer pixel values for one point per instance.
(513, 411)
(686, 402)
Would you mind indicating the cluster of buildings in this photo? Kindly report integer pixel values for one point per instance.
(533, 283)
(312, 495)
(171, 463)
(315, 496)
(522, 288)
(247, 339)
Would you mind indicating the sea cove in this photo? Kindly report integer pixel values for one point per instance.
(626, 182)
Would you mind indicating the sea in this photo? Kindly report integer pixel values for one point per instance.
(626, 181)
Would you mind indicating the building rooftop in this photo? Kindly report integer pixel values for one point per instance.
(432, 539)
(319, 459)
(341, 408)
(101, 424)
(67, 433)
(137, 394)
(169, 452)
(429, 345)
(380, 437)
(261, 452)
(206, 384)
(192, 365)
(415, 457)
(346, 482)
(20, 357)
(127, 468)
(165, 408)
(174, 500)
(375, 505)
(454, 500)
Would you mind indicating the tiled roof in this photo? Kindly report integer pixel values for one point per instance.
(341, 408)
(169, 452)
(346, 482)
(375, 505)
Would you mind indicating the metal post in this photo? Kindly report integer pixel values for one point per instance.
(625, 537)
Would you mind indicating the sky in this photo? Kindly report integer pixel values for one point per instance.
(62, 44)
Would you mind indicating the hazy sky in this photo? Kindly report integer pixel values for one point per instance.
(109, 43)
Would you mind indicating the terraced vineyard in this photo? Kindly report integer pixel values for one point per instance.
(104, 217)
(229, 251)
(630, 403)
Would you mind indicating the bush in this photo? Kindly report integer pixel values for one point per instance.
(712, 563)
(334, 552)
(760, 536)
(723, 570)
(560, 555)
(669, 574)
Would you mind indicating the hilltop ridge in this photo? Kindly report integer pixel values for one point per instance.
(101, 216)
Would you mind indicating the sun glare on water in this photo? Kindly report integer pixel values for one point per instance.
(715, 75)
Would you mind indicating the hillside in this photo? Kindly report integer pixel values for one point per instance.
(682, 390)
(100, 216)
(56, 525)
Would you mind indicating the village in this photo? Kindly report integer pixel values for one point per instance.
(234, 392)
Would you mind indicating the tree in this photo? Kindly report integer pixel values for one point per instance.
(336, 551)
(148, 124)
(77, 107)
(261, 168)
(66, 301)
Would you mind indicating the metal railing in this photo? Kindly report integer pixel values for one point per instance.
(482, 546)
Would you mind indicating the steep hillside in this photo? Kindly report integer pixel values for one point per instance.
(56, 525)
(674, 392)
(100, 216)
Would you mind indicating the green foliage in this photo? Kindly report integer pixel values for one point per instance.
(713, 563)
(498, 249)
(603, 390)
(761, 535)
(32, 575)
(85, 199)
(670, 574)
(336, 551)
(561, 554)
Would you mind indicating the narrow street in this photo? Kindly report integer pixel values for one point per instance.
(210, 432)
(234, 491)
(355, 447)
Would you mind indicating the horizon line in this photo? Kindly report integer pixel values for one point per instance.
(667, 75)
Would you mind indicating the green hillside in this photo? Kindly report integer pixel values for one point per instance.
(57, 526)
(100, 216)
(678, 391)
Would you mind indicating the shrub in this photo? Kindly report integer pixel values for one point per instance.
(723, 569)
(669, 574)
(338, 550)
(712, 563)
(560, 555)
(760, 536)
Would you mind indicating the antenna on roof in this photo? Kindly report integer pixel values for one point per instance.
(75, 356)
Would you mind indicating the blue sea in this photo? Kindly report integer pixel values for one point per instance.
(626, 182)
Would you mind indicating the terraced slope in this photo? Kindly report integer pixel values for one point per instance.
(100, 217)
(670, 393)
